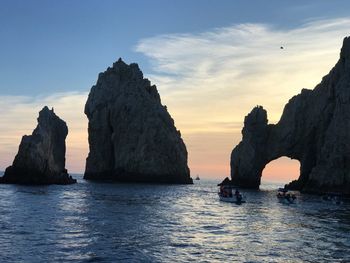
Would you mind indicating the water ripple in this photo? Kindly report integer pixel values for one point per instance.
(97, 222)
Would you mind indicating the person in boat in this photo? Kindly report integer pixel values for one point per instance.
(288, 197)
(223, 191)
(282, 193)
(226, 191)
(230, 192)
(238, 195)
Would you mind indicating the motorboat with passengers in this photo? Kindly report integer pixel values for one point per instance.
(285, 196)
(226, 195)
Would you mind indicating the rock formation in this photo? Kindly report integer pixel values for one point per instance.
(132, 137)
(314, 129)
(41, 156)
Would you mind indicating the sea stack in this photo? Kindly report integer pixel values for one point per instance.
(41, 156)
(132, 137)
(314, 129)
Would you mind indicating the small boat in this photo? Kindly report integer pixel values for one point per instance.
(231, 199)
(197, 177)
(226, 194)
(284, 196)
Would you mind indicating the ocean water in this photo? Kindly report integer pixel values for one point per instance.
(98, 222)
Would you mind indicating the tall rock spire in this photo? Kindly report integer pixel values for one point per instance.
(132, 137)
(41, 156)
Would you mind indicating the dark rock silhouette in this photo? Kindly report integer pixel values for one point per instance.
(314, 129)
(132, 137)
(41, 156)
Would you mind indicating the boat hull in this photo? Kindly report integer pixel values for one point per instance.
(231, 199)
(285, 200)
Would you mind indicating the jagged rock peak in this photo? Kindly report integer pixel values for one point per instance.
(124, 70)
(345, 50)
(41, 156)
(120, 79)
(257, 118)
(132, 137)
(314, 129)
(47, 115)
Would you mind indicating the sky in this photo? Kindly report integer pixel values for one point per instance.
(212, 62)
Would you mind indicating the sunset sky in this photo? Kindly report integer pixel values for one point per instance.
(212, 62)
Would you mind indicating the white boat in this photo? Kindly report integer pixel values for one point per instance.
(232, 199)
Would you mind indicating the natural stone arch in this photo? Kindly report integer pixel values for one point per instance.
(261, 144)
(314, 129)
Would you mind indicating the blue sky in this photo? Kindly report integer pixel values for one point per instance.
(212, 62)
(56, 46)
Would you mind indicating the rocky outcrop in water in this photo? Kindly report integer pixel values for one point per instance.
(314, 129)
(41, 156)
(132, 137)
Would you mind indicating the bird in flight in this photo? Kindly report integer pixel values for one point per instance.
(281, 47)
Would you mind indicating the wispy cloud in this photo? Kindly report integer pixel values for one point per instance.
(209, 81)
(213, 78)
(221, 74)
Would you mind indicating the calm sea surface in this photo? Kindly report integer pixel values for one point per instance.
(97, 222)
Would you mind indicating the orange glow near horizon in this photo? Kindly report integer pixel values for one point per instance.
(209, 153)
(207, 93)
(282, 170)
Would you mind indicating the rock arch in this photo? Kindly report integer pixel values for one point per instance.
(314, 129)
